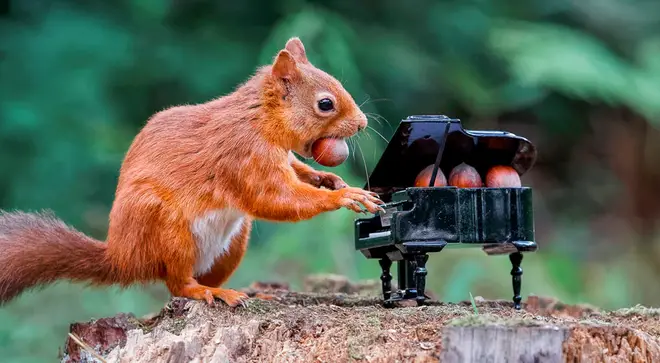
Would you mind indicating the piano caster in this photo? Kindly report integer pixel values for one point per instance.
(516, 277)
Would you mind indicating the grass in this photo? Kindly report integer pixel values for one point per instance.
(494, 321)
(637, 310)
(474, 304)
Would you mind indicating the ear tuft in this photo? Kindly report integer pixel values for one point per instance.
(297, 49)
(284, 65)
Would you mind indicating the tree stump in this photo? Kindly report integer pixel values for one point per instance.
(332, 326)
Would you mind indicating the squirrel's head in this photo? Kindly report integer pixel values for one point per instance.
(311, 104)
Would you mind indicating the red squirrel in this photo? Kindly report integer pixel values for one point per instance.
(192, 182)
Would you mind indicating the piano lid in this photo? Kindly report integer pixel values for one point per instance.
(416, 142)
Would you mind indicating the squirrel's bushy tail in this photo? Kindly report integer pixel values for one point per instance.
(37, 249)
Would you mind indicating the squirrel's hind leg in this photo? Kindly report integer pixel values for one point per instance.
(193, 290)
(179, 263)
(223, 267)
(189, 287)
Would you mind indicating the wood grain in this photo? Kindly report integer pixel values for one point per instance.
(503, 344)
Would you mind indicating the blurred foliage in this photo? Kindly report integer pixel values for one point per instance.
(581, 79)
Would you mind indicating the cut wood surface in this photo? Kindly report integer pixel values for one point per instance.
(334, 320)
(504, 344)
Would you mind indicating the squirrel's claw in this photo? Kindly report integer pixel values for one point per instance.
(209, 298)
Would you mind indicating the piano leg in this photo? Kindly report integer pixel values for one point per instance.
(420, 277)
(516, 277)
(386, 279)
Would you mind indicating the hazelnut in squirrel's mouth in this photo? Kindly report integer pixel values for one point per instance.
(330, 151)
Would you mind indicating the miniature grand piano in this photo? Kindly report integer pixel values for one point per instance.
(422, 220)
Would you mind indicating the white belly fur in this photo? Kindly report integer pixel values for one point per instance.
(213, 232)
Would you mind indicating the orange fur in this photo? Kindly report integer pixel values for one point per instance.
(231, 153)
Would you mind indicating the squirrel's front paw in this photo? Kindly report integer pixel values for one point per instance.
(331, 181)
(351, 198)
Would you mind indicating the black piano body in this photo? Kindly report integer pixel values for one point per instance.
(423, 220)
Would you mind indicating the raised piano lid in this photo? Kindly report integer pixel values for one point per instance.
(415, 145)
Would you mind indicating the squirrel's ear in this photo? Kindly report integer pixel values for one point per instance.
(284, 65)
(297, 49)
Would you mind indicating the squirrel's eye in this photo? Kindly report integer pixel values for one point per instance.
(326, 104)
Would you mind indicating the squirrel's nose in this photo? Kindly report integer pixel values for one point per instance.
(363, 122)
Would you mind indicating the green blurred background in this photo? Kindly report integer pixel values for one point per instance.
(581, 79)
